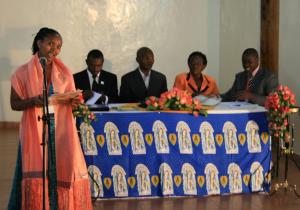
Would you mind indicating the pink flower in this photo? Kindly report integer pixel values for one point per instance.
(278, 105)
(183, 100)
(286, 90)
(286, 97)
(195, 113)
(148, 102)
(80, 97)
(173, 92)
(91, 116)
(198, 106)
(169, 95)
(152, 98)
(162, 101)
(175, 99)
(285, 122)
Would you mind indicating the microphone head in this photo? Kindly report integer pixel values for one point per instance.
(43, 61)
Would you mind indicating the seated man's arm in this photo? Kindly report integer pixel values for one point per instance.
(270, 84)
(87, 94)
(113, 97)
(124, 91)
(164, 87)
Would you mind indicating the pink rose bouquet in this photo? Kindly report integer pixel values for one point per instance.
(82, 110)
(175, 99)
(278, 105)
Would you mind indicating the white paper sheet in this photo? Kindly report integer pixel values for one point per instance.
(94, 99)
(208, 101)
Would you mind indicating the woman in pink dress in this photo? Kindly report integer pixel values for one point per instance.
(67, 183)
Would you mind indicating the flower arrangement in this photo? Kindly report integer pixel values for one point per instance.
(82, 110)
(278, 104)
(175, 99)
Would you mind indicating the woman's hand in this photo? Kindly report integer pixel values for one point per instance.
(87, 94)
(244, 95)
(70, 98)
(19, 104)
(37, 101)
(75, 101)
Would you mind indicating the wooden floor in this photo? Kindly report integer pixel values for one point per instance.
(280, 200)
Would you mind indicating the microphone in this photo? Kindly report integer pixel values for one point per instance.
(43, 62)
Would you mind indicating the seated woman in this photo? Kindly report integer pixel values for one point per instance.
(194, 81)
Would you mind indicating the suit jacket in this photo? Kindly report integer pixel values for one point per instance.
(133, 88)
(185, 81)
(107, 84)
(264, 82)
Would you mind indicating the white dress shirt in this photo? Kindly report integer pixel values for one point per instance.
(91, 79)
(146, 78)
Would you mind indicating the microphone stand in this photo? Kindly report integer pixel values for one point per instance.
(46, 123)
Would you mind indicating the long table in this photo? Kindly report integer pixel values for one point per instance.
(140, 153)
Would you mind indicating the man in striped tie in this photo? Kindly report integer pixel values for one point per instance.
(254, 83)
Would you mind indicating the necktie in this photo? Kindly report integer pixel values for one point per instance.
(250, 82)
(94, 85)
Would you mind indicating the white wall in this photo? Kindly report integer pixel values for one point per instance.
(171, 28)
(289, 47)
(239, 29)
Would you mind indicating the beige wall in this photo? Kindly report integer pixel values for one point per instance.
(289, 47)
(239, 29)
(173, 29)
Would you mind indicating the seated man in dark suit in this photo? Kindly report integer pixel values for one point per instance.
(254, 83)
(143, 81)
(95, 79)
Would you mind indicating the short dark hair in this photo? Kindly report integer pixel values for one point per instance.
(43, 33)
(250, 52)
(94, 54)
(197, 54)
(142, 52)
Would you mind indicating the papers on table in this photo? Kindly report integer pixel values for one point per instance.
(94, 99)
(236, 107)
(242, 105)
(126, 107)
(208, 101)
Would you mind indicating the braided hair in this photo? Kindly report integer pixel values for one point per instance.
(43, 33)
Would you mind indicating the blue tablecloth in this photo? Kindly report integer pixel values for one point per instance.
(138, 154)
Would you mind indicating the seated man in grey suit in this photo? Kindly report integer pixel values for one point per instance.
(254, 83)
(95, 79)
(143, 81)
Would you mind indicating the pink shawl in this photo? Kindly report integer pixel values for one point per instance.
(27, 81)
